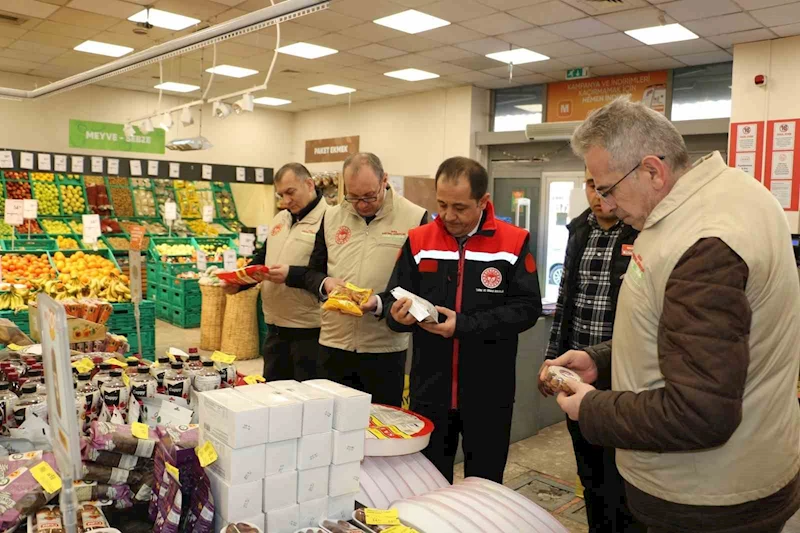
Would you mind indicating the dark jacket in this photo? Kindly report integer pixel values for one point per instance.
(492, 285)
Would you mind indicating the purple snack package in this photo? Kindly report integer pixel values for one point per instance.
(180, 441)
(118, 438)
(170, 502)
(118, 460)
(158, 474)
(110, 474)
(121, 495)
(20, 493)
(200, 515)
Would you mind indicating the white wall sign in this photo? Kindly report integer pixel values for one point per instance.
(26, 160)
(259, 175)
(783, 136)
(152, 168)
(782, 191)
(170, 210)
(13, 212)
(77, 164)
(746, 162)
(97, 164)
(240, 174)
(6, 159)
(136, 167)
(208, 172)
(60, 164)
(44, 161)
(782, 165)
(113, 167)
(174, 170)
(30, 209)
(746, 137)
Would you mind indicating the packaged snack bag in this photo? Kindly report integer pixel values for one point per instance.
(347, 299)
(245, 276)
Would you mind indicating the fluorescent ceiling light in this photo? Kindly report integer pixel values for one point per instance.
(176, 87)
(669, 33)
(412, 21)
(163, 19)
(330, 88)
(231, 71)
(103, 49)
(306, 50)
(411, 74)
(268, 100)
(518, 56)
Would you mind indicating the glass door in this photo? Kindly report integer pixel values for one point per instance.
(563, 200)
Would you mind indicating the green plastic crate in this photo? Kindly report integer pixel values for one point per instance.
(185, 285)
(184, 318)
(184, 300)
(38, 244)
(76, 180)
(20, 319)
(58, 197)
(152, 291)
(148, 341)
(123, 318)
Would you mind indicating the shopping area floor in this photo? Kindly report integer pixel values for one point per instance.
(541, 468)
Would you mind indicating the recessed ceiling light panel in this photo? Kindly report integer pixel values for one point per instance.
(268, 100)
(411, 21)
(163, 19)
(518, 56)
(411, 74)
(668, 33)
(103, 49)
(232, 71)
(306, 50)
(329, 88)
(176, 87)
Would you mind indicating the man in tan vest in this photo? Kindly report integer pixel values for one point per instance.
(358, 242)
(706, 346)
(292, 345)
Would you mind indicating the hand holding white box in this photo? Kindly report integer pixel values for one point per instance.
(280, 491)
(348, 446)
(317, 405)
(351, 408)
(314, 451)
(312, 484)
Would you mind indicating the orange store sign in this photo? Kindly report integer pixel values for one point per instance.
(575, 99)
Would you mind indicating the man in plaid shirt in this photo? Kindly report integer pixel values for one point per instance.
(598, 252)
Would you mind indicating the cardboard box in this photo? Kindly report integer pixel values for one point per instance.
(344, 479)
(280, 491)
(341, 507)
(348, 446)
(317, 405)
(236, 466)
(351, 408)
(236, 502)
(313, 512)
(285, 411)
(232, 418)
(281, 457)
(312, 484)
(314, 451)
(259, 520)
(285, 520)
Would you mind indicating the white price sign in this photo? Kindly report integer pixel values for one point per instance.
(26, 160)
(208, 213)
(229, 260)
(202, 261)
(60, 163)
(170, 210)
(262, 231)
(240, 174)
(247, 238)
(152, 168)
(136, 167)
(246, 249)
(91, 228)
(208, 172)
(135, 268)
(14, 211)
(259, 175)
(44, 161)
(77, 164)
(97, 165)
(174, 170)
(6, 159)
(113, 167)
(30, 209)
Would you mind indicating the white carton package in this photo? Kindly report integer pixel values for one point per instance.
(313, 512)
(341, 507)
(285, 411)
(236, 502)
(236, 466)
(281, 457)
(314, 451)
(259, 520)
(232, 418)
(312, 484)
(344, 479)
(317, 405)
(284, 520)
(348, 446)
(351, 408)
(280, 491)
(421, 309)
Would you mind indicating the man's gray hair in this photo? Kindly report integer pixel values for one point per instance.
(298, 169)
(630, 131)
(361, 159)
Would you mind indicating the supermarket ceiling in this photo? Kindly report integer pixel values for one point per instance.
(38, 37)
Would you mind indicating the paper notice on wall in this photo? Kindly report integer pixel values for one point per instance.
(208, 172)
(782, 165)
(136, 167)
(97, 165)
(782, 190)
(113, 167)
(26, 160)
(746, 137)
(6, 159)
(152, 168)
(747, 163)
(783, 137)
(259, 175)
(174, 170)
(44, 161)
(240, 174)
(77, 164)
(60, 163)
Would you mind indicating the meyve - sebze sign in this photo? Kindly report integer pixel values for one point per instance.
(327, 150)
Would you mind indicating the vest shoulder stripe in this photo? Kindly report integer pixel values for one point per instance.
(435, 254)
(486, 257)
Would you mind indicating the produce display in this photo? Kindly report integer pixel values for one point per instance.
(67, 243)
(76, 226)
(47, 196)
(23, 268)
(175, 249)
(97, 194)
(225, 204)
(20, 190)
(56, 227)
(122, 200)
(202, 229)
(88, 275)
(235, 226)
(72, 199)
(29, 226)
(145, 203)
(214, 251)
(121, 243)
(18, 175)
(5, 229)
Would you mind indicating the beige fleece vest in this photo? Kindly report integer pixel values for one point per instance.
(284, 306)
(365, 255)
(762, 456)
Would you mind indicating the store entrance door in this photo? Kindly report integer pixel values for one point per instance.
(506, 192)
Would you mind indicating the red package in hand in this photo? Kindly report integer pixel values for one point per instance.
(245, 276)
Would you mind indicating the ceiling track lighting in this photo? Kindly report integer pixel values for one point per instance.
(186, 116)
(245, 103)
(166, 121)
(147, 126)
(128, 130)
(221, 109)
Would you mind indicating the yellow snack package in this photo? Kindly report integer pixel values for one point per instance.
(347, 299)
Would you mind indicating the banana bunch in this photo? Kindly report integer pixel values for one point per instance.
(14, 297)
(115, 290)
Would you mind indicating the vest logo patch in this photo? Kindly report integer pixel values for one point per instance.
(627, 250)
(342, 235)
(277, 229)
(308, 231)
(491, 278)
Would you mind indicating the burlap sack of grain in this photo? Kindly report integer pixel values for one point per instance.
(240, 327)
(211, 316)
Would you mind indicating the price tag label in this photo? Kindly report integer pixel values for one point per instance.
(126, 380)
(91, 228)
(252, 380)
(60, 164)
(140, 431)
(137, 236)
(135, 268)
(246, 249)
(208, 172)
(202, 260)
(206, 454)
(152, 168)
(382, 517)
(222, 357)
(77, 164)
(174, 170)
(6, 159)
(170, 210)
(247, 238)
(44, 161)
(26, 160)
(97, 165)
(13, 212)
(30, 209)
(136, 167)
(228, 258)
(84, 366)
(113, 167)
(240, 174)
(45, 476)
(262, 232)
(400, 529)
(208, 213)
(259, 175)
(173, 471)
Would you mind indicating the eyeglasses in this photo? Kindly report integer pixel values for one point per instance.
(364, 199)
(606, 194)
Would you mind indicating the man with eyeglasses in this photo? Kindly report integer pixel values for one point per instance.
(358, 242)
(704, 356)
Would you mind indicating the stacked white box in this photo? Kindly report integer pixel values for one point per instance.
(350, 407)
(341, 507)
(236, 466)
(344, 479)
(233, 419)
(285, 411)
(348, 446)
(314, 451)
(313, 512)
(317, 405)
(312, 484)
(236, 502)
(285, 520)
(281, 457)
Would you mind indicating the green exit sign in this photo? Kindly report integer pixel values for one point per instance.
(578, 73)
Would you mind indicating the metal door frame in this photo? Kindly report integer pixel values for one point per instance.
(544, 234)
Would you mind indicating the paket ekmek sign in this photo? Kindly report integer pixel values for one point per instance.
(327, 150)
(109, 136)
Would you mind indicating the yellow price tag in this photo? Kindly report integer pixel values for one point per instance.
(220, 357)
(84, 366)
(382, 517)
(44, 474)
(400, 529)
(116, 362)
(252, 380)
(126, 380)
(173, 471)
(140, 431)
(14, 347)
(206, 454)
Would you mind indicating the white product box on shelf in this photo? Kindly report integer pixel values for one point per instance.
(317, 405)
(312, 484)
(285, 411)
(259, 520)
(341, 507)
(281, 457)
(344, 479)
(350, 407)
(233, 418)
(280, 490)
(348, 446)
(236, 502)
(314, 451)
(313, 512)
(284, 520)
(236, 465)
